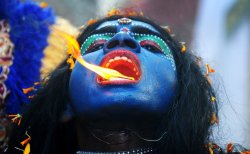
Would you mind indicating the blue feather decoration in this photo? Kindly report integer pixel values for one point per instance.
(29, 32)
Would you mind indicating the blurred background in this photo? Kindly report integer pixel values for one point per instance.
(218, 31)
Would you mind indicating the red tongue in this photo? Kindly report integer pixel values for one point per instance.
(124, 70)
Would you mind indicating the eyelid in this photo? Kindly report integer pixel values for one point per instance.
(92, 38)
(95, 43)
(141, 37)
(152, 43)
(145, 29)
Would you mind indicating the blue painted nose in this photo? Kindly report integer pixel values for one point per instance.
(124, 41)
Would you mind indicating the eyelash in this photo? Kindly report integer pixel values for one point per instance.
(96, 45)
(151, 46)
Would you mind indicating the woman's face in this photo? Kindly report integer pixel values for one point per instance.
(135, 49)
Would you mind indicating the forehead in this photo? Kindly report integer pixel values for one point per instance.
(130, 25)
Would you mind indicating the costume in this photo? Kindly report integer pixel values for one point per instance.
(126, 87)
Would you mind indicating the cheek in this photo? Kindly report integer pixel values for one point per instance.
(80, 74)
(158, 67)
(82, 81)
(77, 84)
(160, 76)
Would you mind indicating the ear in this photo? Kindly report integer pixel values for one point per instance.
(68, 114)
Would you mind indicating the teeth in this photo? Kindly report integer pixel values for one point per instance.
(107, 65)
(111, 60)
(117, 58)
(121, 58)
(124, 58)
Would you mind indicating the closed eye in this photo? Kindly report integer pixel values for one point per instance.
(96, 45)
(151, 46)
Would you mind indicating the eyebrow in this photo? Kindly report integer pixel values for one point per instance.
(143, 30)
(107, 29)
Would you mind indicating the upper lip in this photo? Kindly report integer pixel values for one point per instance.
(123, 61)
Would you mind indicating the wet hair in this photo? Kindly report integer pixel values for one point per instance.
(188, 121)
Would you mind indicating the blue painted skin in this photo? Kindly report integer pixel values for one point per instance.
(151, 95)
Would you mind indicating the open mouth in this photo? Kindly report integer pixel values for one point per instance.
(123, 61)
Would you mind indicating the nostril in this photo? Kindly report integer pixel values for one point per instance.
(130, 44)
(113, 44)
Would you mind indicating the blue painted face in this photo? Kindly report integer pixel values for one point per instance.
(135, 49)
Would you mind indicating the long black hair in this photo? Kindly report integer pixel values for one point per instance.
(188, 121)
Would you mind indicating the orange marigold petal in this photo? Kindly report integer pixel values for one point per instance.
(43, 5)
(113, 12)
(91, 21)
